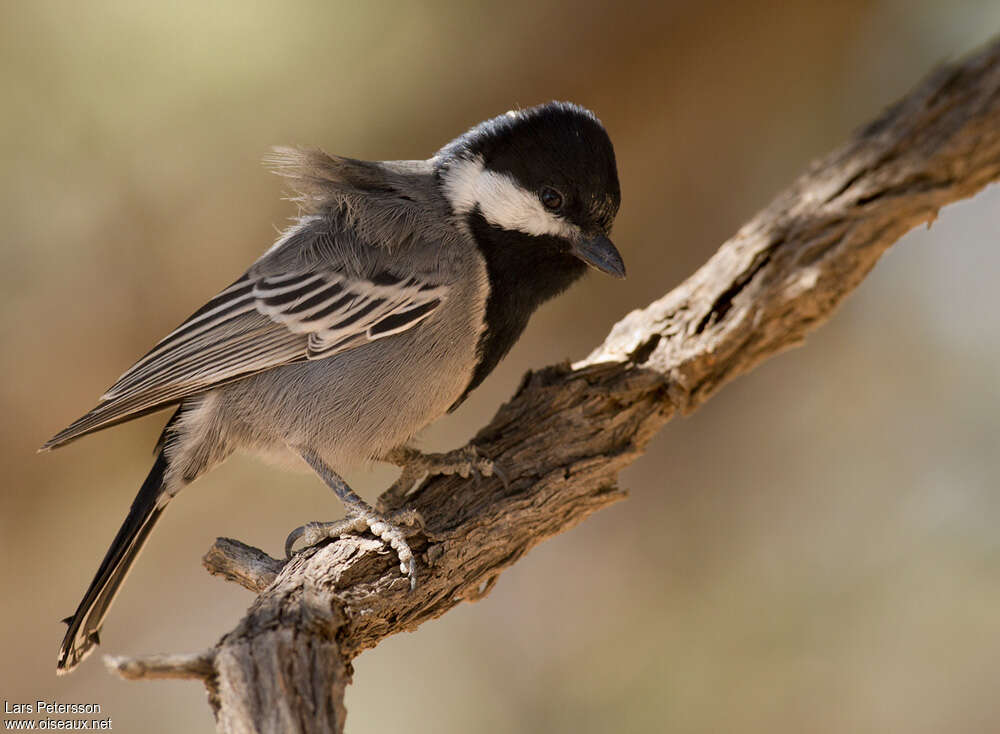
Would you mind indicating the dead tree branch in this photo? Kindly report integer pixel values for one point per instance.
(569, 430)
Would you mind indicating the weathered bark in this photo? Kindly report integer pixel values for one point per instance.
(570, 429)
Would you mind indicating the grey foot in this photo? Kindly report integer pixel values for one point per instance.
(465, 462)
(387, 529)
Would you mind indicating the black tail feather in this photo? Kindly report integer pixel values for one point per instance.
(85, 624)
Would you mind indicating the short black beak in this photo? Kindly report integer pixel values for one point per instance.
(601, 253)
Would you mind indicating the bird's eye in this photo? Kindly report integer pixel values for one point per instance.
(551, 199)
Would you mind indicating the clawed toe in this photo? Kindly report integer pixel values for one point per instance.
(305, 531)
(292, 539)
(411, 572)
(409, 518)
(465, 462)
(386, 529)
(315, 532)
(502, 476)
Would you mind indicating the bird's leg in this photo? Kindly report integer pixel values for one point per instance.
(360, 517)
(465, 462)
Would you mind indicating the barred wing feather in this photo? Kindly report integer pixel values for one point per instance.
(259, 323)
(336, 311)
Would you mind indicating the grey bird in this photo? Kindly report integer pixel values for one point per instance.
(395, 292)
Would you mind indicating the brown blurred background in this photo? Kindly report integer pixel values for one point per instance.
(814, 550)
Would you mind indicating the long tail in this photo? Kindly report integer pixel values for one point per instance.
(85, 624)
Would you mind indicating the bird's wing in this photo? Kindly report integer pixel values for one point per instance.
(262, 321)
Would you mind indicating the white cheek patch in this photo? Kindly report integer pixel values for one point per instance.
(503, 203)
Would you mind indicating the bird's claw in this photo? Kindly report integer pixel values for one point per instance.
(502, 476)
(388, 529)
(465, 462)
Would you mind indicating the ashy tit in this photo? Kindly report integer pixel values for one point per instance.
(394, 294)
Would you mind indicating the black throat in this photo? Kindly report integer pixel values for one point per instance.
(523, 272)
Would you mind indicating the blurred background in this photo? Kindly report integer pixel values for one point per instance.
(815, 549)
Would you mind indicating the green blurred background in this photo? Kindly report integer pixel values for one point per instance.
(814, 550)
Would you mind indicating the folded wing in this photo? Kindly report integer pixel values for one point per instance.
(258, 323)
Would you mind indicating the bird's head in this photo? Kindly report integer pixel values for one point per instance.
(547, 173)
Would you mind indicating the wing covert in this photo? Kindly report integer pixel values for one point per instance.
(258, 323)
(338, 312)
